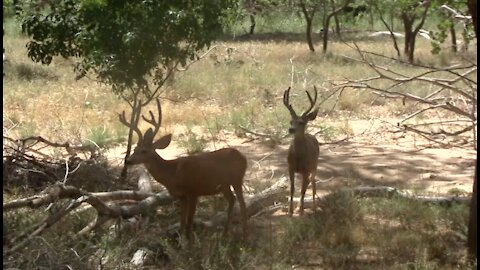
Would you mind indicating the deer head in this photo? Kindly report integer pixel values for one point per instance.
(145, 146)
(299, 123)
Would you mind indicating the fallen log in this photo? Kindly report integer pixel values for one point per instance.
(57, 192)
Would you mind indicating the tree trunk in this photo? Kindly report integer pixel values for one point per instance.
(371, 19)
(408, 29)
(454, 38)
(408, 18)
(252, 24)
(337, 24)
(411, 49)
(123, 174)
(472, 223)
(326, 25)
(472, 8)
(309, 35)
(309, 20)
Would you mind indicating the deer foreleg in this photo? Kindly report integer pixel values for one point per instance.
(183, 214)
(292, 190)
(191, 206)
(231, 200)
(304, 189)
(243, 210)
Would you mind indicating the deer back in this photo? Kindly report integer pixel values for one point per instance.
(206, 173)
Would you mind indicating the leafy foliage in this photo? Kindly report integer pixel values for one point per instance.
(447, 21)
(124, 43)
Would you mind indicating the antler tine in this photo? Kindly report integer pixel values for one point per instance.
(156, 124)
(134, 126)
(312, 101)
(286, 102)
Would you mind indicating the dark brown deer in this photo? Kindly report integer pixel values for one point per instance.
(187, 178)
(304, 150)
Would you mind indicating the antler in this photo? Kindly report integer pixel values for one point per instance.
(136, 117)
(156, 124)
(286, 102)
(312, 101)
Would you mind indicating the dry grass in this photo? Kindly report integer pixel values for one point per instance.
(234, 78)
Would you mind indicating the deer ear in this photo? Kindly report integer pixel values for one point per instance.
(163, 142)
(311, 116)
(148, 136)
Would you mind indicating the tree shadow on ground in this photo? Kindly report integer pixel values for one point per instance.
(352, 164)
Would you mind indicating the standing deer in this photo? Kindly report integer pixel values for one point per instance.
(187, 178)
(304, 150)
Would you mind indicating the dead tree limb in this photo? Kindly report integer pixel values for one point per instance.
(456, 95)
(77, 197)
(65, 192)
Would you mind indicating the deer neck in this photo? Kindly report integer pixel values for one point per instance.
(162, 170)
(300, 142)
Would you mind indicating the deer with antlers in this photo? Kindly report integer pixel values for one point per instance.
(188, 178)
(304, 150)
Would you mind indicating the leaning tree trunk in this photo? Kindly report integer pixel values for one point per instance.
(123, 174)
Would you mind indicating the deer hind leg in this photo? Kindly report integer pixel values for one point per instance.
(243, 211)
(231, 200)
(314, 190)
(304, 189)
(191, 207)
(291, 173)
(183, 214)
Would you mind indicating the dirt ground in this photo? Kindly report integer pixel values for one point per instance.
(372, 156)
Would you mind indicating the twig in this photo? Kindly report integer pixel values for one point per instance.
(419, 112)
(425, 135)
(336, 142)
(260, 134)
